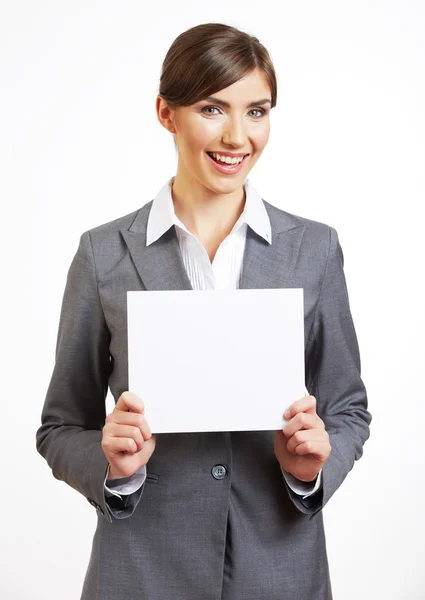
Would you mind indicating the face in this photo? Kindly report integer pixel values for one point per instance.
(233, 121)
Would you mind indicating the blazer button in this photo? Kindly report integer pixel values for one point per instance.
(219, 471)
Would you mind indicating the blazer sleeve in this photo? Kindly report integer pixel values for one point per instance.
(74, 410)
(333, 377)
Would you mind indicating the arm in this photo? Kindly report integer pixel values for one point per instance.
(126, 485)
(73, 415)
(303, 488)
(333, 378)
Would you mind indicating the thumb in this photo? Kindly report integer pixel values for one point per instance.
(130, 402)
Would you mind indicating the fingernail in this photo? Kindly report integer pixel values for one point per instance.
(287, 414)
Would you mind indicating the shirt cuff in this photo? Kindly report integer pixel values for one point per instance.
(302, 488)
(125, 485)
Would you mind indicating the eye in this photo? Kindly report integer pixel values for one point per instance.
(259, 110)
(207, 107)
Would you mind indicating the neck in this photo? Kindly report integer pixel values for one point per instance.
(204, 212)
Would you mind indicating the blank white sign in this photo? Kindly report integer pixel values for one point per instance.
(216, 360)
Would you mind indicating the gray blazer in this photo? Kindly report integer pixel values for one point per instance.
(189, 532)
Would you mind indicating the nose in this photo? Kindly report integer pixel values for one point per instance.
(234, 133)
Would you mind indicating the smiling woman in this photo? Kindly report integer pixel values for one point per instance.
(227, 515)
(215, 99)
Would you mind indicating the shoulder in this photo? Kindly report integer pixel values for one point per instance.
(124, 222)
(108, 235)
(315, 234)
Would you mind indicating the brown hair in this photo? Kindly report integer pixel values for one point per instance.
(208, 58)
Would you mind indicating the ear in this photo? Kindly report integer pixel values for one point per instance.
(165, 114)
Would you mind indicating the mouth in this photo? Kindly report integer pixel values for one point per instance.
(226, 168)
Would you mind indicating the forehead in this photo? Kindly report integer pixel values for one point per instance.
(253, 86)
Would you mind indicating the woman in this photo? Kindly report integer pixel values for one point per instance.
(223, 515)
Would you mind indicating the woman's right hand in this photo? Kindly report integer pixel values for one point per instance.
(127, 440)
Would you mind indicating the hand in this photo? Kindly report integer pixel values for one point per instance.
(127, 440)
(302, 447)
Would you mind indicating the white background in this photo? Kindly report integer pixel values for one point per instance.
(80, 145)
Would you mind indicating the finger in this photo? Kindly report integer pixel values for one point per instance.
(306, 435)
(115, 445)
(125, 431)
(319, 450)
(129, 401)
(302, 420)
(307, 404)
(130, 418)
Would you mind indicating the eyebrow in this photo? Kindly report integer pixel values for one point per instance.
(227, 105)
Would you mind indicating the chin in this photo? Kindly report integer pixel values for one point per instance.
(225, 186)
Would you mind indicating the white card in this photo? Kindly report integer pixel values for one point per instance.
(216, 360)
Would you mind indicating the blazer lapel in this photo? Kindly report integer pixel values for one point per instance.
(272, 265)
(160, 265)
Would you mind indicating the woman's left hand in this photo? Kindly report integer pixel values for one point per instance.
(302, 447)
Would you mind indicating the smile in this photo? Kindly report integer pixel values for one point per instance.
(226, 164)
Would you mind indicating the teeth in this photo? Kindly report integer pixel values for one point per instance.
(227, 159)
